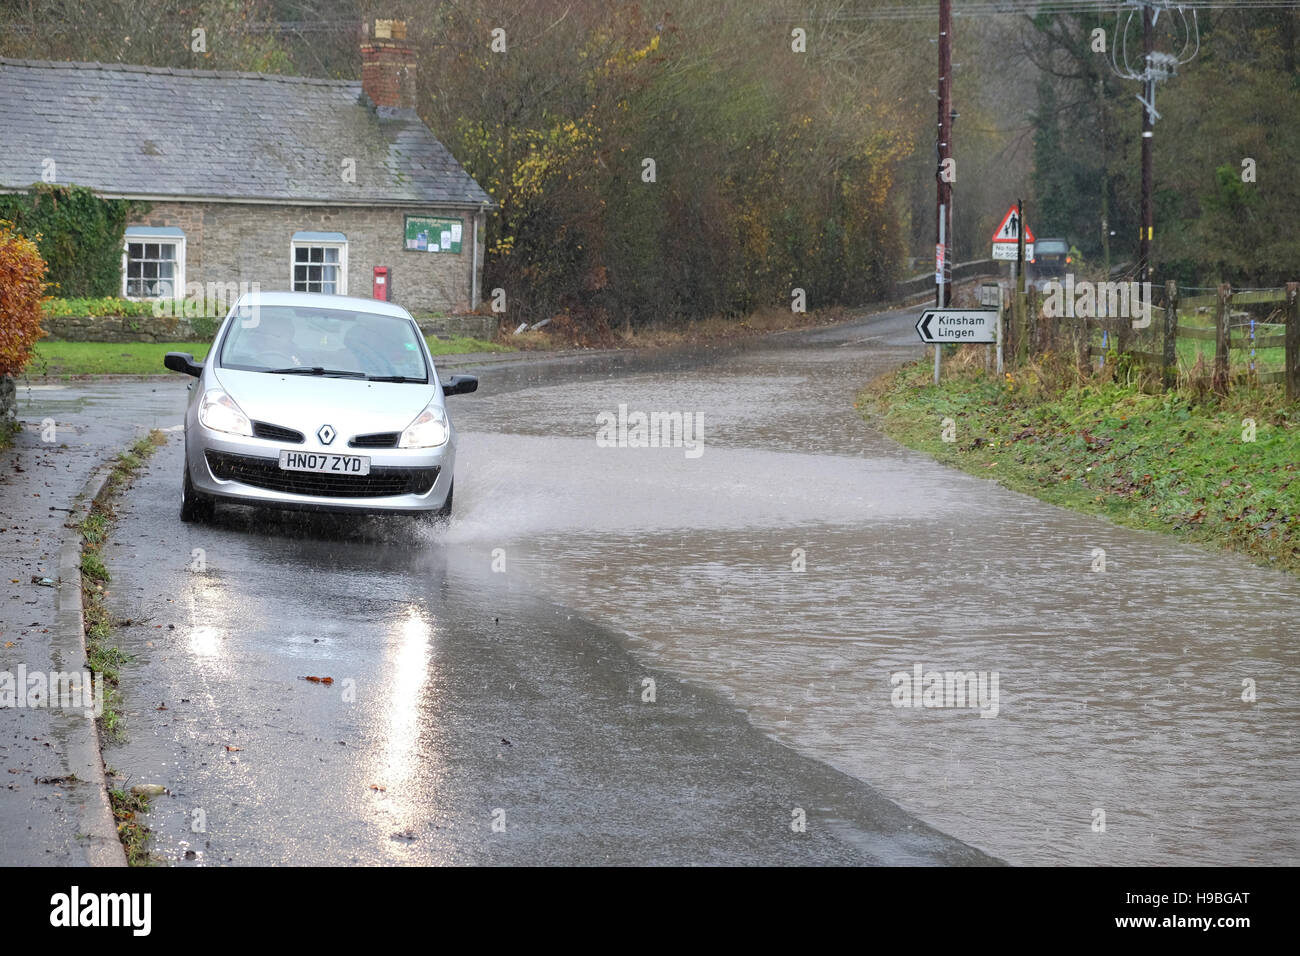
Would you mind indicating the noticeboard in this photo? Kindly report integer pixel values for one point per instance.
(430, 234)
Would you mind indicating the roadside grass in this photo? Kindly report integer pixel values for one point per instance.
(69, 359)
(9, 429)
(564, 333)
(102, 656)
(463, 345)
(1189, 350)
(722, 329)
(134, 835)
(1182, 463)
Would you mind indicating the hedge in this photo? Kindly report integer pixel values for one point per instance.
(22, 286)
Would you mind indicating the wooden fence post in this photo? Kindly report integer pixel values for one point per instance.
(1221, 339)
(1292, 341)
(1022, 323)
(1170, 377)
(1033, 322)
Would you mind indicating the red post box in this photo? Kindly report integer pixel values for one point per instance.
(380, 291)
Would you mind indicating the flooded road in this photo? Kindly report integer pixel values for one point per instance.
(788, 568)
(1120, 691)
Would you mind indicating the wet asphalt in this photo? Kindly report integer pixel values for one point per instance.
(471, 718)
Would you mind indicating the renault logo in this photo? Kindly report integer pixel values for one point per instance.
(326, 434)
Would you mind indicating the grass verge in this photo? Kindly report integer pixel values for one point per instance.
(1223, 472)
(104, 657)
(134, 835)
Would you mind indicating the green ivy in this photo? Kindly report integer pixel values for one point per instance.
(80, 234)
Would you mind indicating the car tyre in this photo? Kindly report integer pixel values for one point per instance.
(194, 506)
(442, 516)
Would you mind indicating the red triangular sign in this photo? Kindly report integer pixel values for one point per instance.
(1009, 231)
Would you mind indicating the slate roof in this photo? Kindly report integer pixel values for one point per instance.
(144, 131)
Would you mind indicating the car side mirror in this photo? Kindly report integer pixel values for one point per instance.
(183, 362)
(460, 385)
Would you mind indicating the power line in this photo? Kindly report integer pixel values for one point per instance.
(1017, 8)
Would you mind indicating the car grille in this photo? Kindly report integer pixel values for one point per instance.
(377, 440)
(266, 473)
(276, 433)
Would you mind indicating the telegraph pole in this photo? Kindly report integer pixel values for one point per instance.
(1105, 178)
(943, 175)
(1148, 143)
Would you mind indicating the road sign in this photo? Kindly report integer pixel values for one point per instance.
(1009, 231)
(1006, 238)
(958, 325)
(991, 294)
(1006, 251)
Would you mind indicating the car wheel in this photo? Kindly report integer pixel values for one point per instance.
(194, 506)
(443, 515)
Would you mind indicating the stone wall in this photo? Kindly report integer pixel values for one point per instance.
(234, 243)
(475, 326)
(112, 328)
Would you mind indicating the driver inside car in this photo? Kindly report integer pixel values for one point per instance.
(381, 355)
(268, 336)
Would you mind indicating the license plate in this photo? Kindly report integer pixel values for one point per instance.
(327, 464)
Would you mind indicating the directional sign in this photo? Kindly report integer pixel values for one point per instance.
(958, 325)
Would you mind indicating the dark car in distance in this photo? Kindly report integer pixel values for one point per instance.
(1051, 259)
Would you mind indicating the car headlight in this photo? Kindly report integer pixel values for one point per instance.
(219, 412)
(429, 430)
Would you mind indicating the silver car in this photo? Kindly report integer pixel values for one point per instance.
(318, 402)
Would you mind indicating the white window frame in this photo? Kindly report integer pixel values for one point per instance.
(178, 282)
(342, 247)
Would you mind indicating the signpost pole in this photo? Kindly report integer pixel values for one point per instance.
(943, 239)
(1001, 319)
(1022, 319)
(1012, 303)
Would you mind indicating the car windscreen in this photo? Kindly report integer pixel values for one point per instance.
(1049, 247)
(308, 340)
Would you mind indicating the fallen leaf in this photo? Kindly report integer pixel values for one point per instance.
(319, 680)
(233, 749)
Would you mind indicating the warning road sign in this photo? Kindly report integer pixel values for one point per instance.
(1009, 231)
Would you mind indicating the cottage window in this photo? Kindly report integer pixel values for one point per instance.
(320, 264)
(153, 264)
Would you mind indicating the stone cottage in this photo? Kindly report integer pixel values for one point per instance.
(286, 182)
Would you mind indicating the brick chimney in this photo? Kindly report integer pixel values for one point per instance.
(388, 66)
